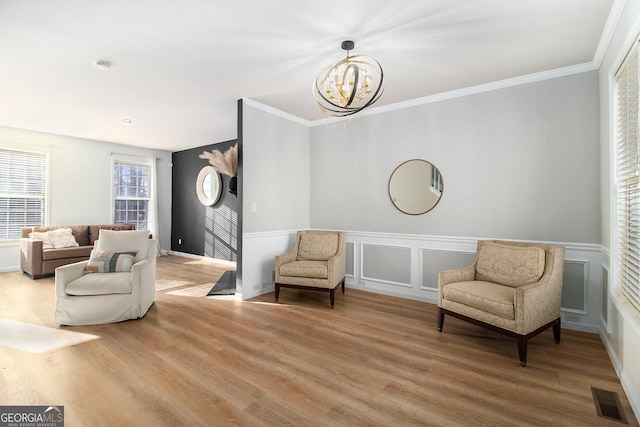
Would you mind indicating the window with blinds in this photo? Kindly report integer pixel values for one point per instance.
(22, 191)
(627, 178)
(132, 193)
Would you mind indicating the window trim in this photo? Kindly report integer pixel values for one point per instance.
(138, 161)
(37, 148)
(617, 294)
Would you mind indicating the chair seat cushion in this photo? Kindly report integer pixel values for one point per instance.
(486, 296)
(315, 269)
(72, 252)
(100, 284)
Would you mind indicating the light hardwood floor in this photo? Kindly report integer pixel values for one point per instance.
(373, 360)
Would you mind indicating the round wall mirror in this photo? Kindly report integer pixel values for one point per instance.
(208, 186)
(415, 187)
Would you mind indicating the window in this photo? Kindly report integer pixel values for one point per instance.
(132, 192)
(627, 178)
(23, 187)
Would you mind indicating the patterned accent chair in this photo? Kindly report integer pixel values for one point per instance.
(317, 262)
(513, 288)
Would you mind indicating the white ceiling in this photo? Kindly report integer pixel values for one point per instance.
(179, 67)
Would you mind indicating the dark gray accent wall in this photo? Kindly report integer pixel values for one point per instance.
(196, 229)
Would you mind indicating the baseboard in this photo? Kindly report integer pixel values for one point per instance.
(627, 384)
(231, 264)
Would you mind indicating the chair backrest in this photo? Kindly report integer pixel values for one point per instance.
(514, 263)
(125, 241)
(317, 245)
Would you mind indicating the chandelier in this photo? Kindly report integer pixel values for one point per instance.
(349, 86)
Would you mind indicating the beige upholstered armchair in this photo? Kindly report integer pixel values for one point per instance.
(117, 283)
(316, 262)
(512, 287)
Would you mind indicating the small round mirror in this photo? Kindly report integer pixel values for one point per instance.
(415, 187)
(208, 186)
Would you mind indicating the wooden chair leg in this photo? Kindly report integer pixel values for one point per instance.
(332, 296)
(277, 291)
(440, 319)
(556, 332)
(522, 350)
(343, 286)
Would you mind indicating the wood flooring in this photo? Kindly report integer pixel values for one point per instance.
(374, 360)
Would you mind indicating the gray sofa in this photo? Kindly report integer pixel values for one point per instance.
(39, 262)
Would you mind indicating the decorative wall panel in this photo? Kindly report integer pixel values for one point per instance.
(574, 285)
(433, 261)
(390, 264)
(351, 260)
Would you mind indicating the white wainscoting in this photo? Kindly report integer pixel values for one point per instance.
(9, 256)
(407, 266)
(259, 251)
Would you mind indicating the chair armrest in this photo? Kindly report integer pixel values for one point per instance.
(336, 266)
(143, 280)
(452, 276)
(290, 256)
(31, 256)
(460, 275)
(142, 272)
(538, 303)
(66, 274)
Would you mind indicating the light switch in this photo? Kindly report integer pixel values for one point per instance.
(254, 207)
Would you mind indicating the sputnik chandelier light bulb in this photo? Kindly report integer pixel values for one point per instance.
(349, 86)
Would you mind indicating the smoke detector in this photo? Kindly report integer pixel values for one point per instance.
(102, 64)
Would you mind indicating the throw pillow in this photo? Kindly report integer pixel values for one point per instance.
(123, 241)
(44, 237)
(62, 238)
(109, 262)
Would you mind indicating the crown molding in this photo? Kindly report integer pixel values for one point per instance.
(609, 30)
(268, 109)
(488, 87)
(472, 90)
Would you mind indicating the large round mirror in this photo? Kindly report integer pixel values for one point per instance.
(208, 186)
(415, 187)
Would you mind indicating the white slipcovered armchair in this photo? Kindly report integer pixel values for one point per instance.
(87, 295)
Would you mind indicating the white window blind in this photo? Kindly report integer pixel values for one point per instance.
(132, 193)
(22, 191)
(627, 178)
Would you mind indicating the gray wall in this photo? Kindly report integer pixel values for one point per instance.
(275, 172)
(519, 163)
(274, 189)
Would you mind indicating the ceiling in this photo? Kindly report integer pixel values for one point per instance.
(179, 67)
